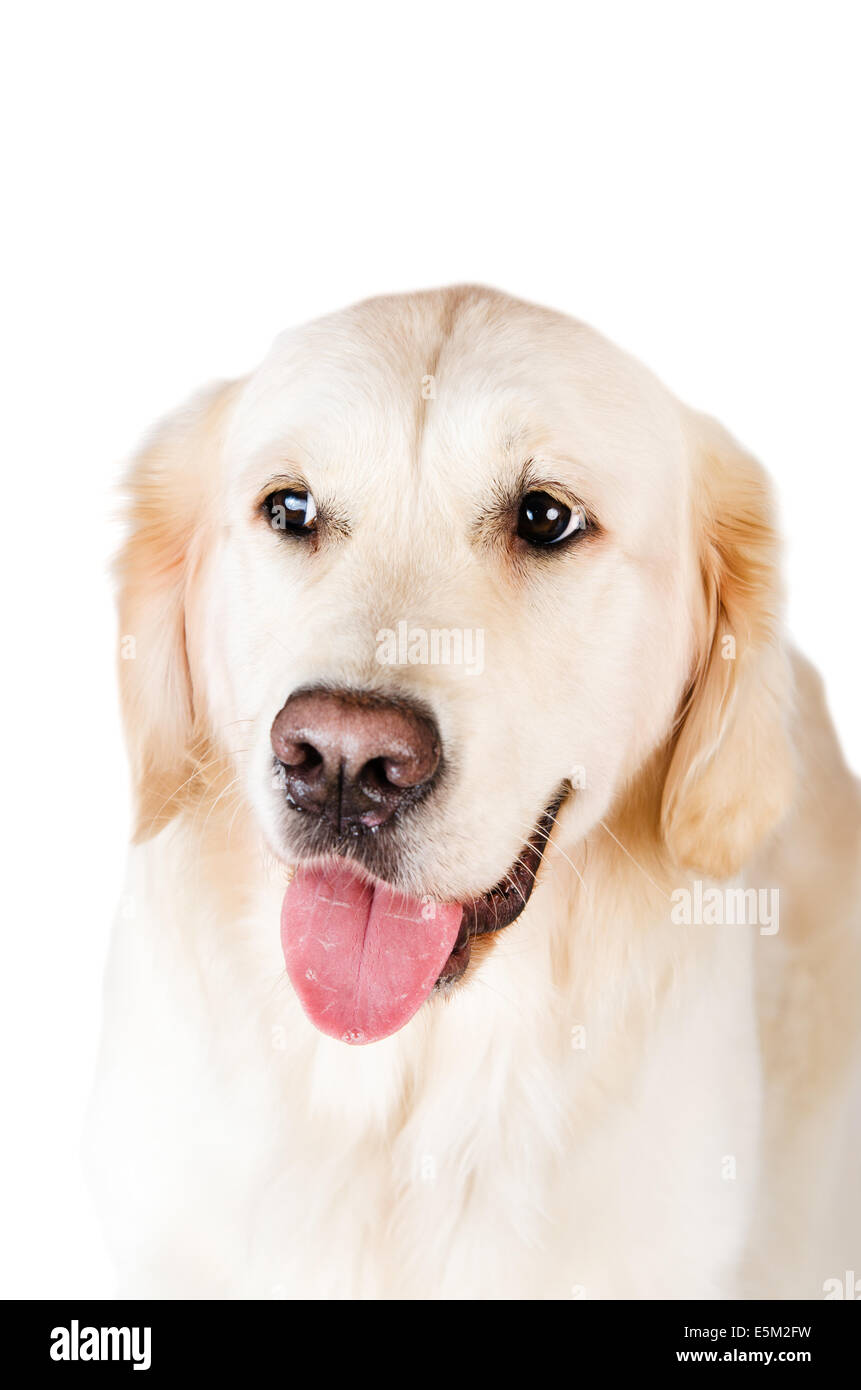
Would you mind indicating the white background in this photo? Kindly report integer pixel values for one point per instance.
(183, 180)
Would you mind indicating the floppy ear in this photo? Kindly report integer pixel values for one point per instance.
(168, 485)
(731, 772)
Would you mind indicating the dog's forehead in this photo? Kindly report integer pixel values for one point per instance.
(452, 381)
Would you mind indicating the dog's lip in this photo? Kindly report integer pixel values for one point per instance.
(501, 905)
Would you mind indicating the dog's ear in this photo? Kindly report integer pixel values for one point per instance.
(731, 771)
(168, 486)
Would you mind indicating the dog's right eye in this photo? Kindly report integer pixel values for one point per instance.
(291, 509)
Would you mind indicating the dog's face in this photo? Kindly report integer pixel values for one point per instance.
(419, 448)
(446, 578)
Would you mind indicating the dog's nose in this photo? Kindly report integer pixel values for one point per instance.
(354, 758)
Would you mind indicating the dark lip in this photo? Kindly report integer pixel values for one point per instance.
(502, 904)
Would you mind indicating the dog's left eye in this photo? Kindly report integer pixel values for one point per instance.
(544, 520)
(291, 509)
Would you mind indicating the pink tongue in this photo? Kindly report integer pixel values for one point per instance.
(362, 957)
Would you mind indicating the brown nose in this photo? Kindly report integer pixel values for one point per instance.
(353, 758)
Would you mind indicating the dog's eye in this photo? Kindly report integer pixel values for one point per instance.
(291, 509)
(543, 520)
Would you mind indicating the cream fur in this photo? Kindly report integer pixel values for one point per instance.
(611, 1104)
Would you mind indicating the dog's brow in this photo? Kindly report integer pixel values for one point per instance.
(504, 494)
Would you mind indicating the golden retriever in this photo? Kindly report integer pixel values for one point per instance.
(455, 683)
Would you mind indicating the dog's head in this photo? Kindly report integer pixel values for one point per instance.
(446, 568)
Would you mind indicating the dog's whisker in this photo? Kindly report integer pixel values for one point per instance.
(198, 772)
(634, 861)
(512, 882)
(569, 860)
(202, 831)
(550, 843)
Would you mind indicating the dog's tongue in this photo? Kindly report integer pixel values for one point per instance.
(361, 956)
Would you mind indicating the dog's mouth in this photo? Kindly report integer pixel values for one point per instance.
(363, 956)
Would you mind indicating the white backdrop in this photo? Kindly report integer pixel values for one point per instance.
(183, 180)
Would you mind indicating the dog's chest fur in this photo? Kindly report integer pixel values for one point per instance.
(520, 1139)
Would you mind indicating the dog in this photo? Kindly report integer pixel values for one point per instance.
(533, 976)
